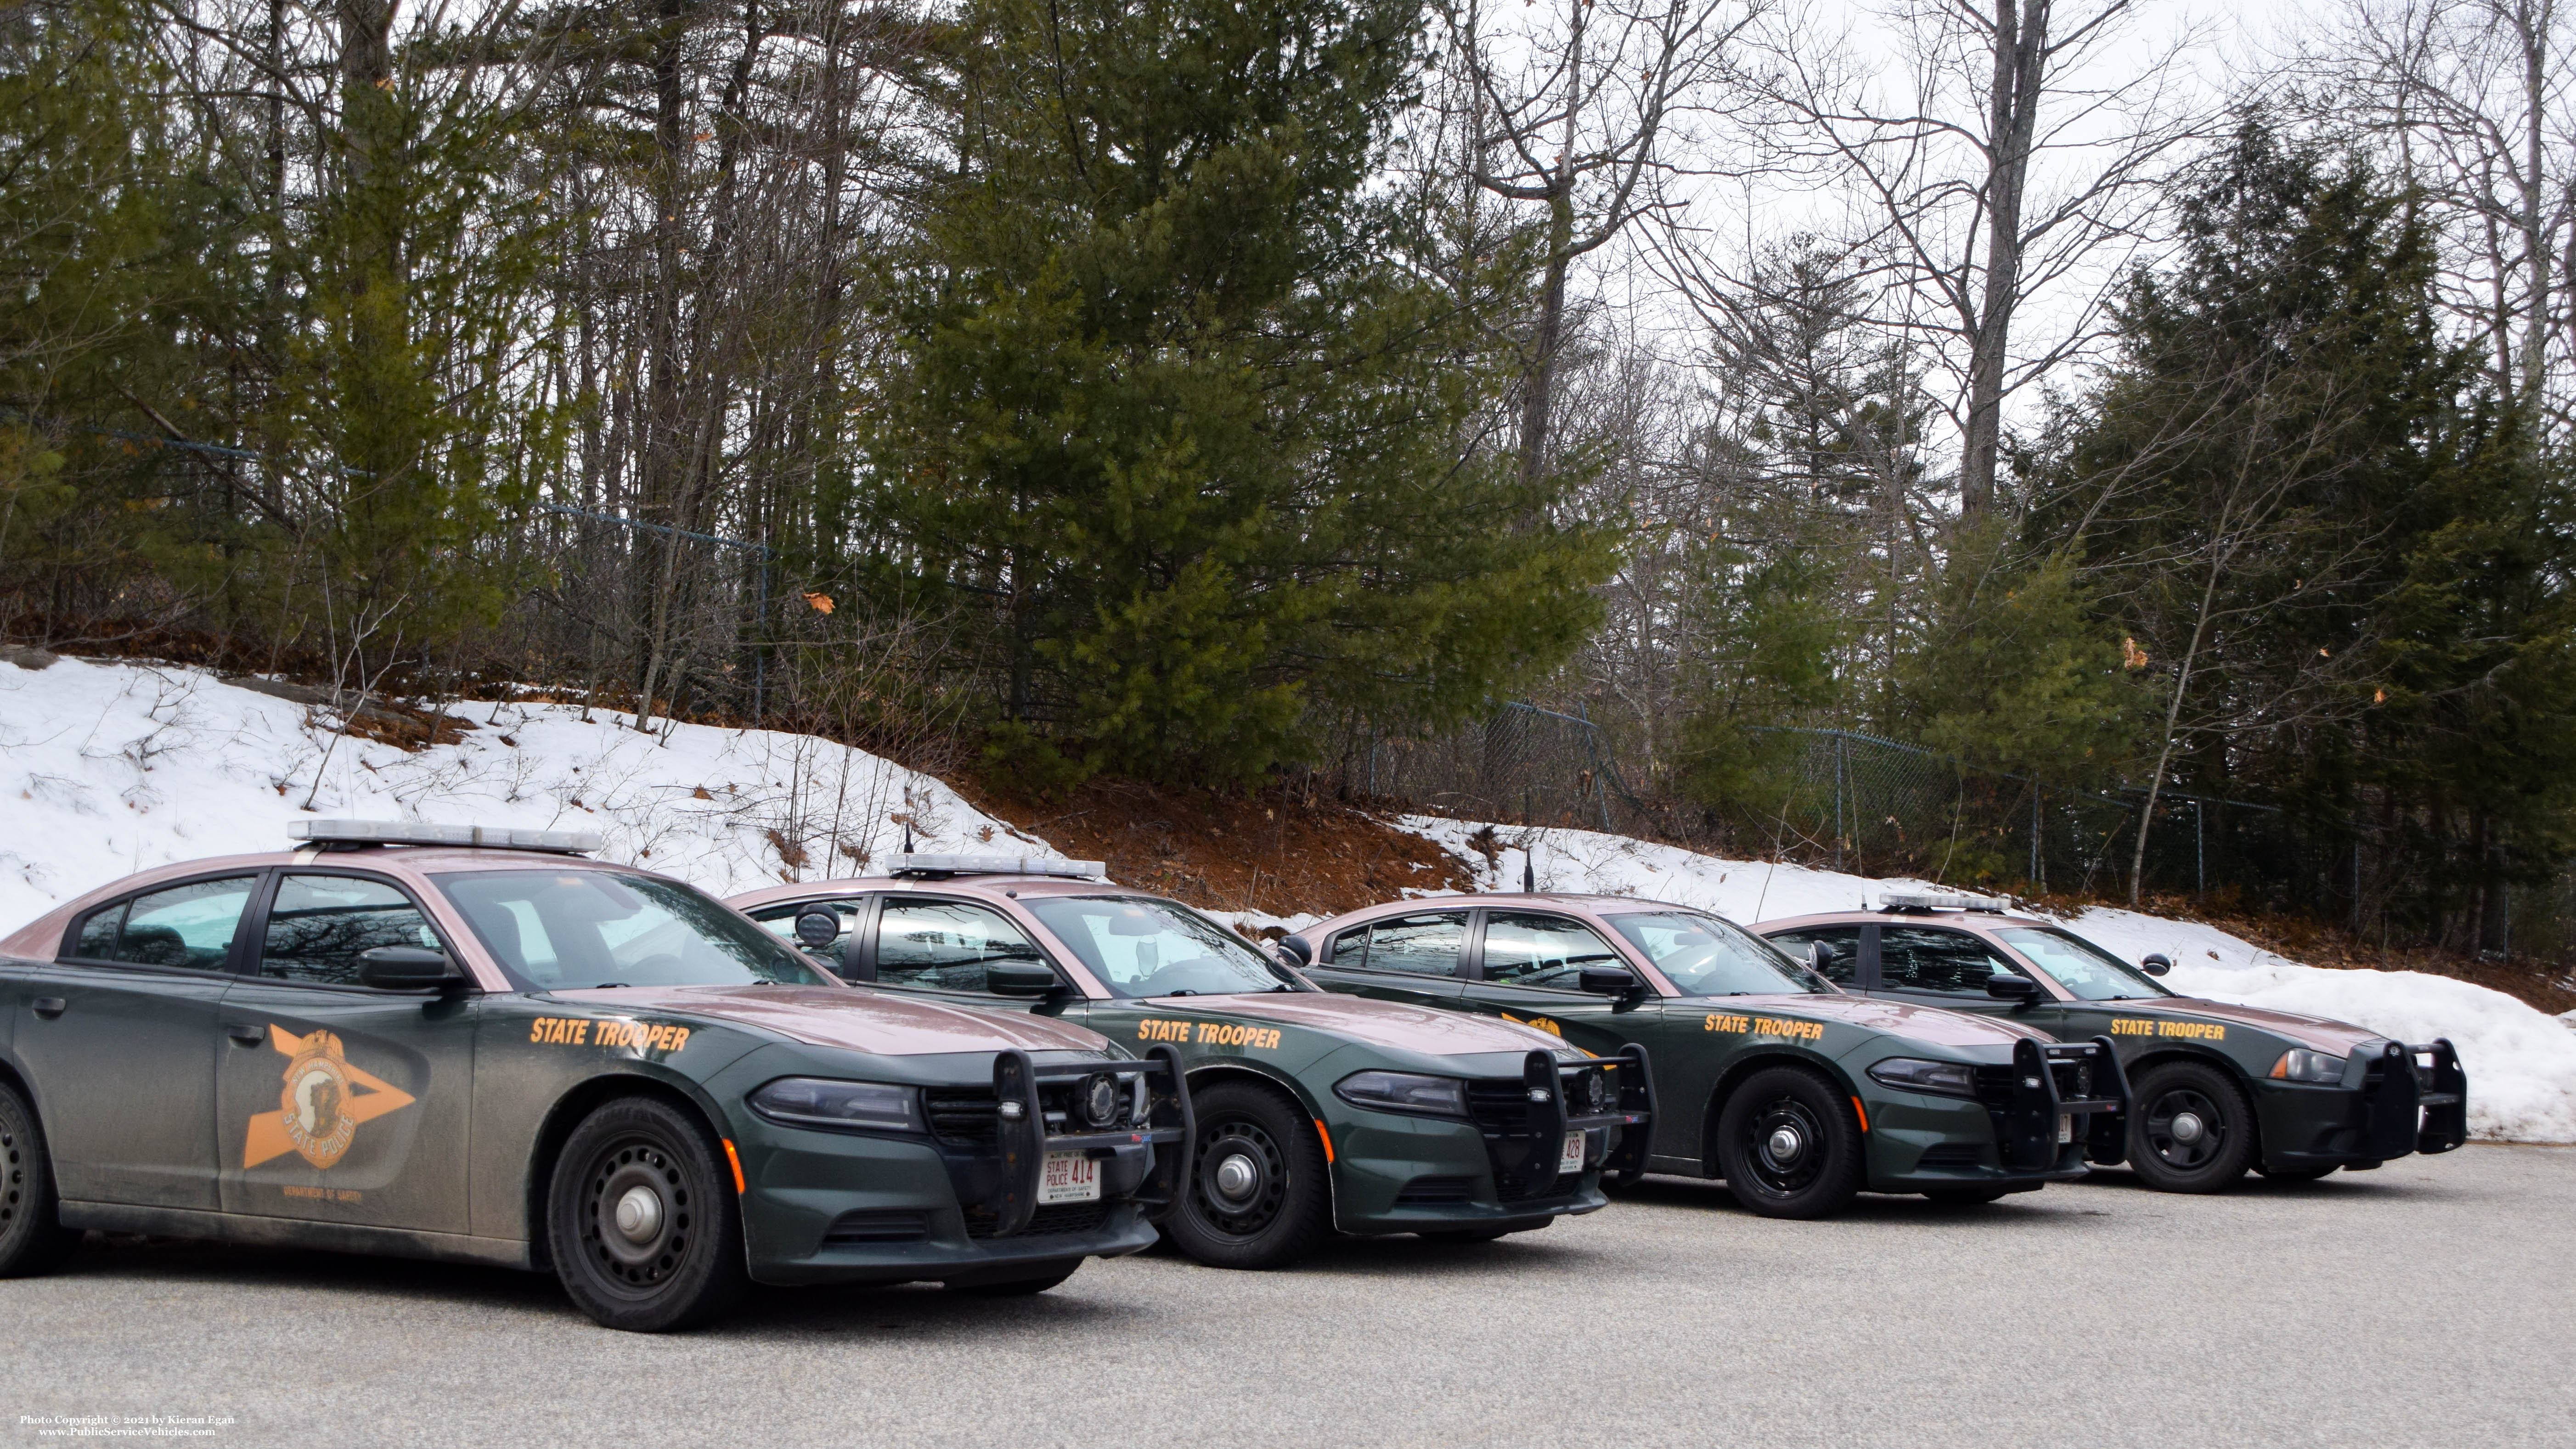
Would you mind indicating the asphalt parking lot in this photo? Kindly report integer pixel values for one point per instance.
(2429, 1302)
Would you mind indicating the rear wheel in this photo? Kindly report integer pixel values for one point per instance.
(645, 1227)
(1021, 1287)
(32, 1240)
(1257, 1196)
(1789, 1145)
(2190, 1129)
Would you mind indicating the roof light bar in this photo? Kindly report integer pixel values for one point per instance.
(1939, 901)
(911, 864)
(428, 832)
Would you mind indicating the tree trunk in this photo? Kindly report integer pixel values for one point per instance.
(2020, 53)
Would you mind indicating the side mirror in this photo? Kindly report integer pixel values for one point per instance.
(2156, 964)
(1297, 950)
(1820, 959)
(406, 968)
(818, 929)
(1608, 980)
(2005, 986)
(1019, 978)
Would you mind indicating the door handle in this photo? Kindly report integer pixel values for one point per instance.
(49, 1007)
(246, 1033)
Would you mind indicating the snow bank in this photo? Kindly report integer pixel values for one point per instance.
(110, 768)
(2521, 1061)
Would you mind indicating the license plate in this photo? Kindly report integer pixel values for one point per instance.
(1068, 1177)
(2065, 1127)
(1571, 1159)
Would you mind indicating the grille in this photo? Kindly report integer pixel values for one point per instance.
(879, 1225)
(1953, 1154)
(1063, 1217)
(1501, 1108)
(969, 1116)
(1423, 1191)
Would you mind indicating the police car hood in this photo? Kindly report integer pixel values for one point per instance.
(1389, 1024)
(1935, 1025)
(856, 1019)
(2321, 1033)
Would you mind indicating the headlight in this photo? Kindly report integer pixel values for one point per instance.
(815, 1102)
(1404, 1092)
(1914, 1074)
(2299, 1064)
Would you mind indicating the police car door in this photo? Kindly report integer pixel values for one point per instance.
(337, 1102)
(1933, 966)
(1416, 959)
(1527, 966)
(948, 947)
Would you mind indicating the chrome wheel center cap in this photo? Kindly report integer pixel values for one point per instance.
(639, 1214)
(1786, 1144)
(1234, 1178)
(2186, 1127)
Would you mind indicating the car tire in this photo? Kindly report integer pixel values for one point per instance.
(1272, 1208)
(2190, 1129)
(1021, 1287)
(643, 1220)
(1965, 1196)
(32, 1238)
(1789, 1146)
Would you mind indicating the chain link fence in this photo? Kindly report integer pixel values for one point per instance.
(1523, 764)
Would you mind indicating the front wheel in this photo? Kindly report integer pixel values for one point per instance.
(2190, 1129)
(644, 1225)
(1257, 1196)
(32, 1241)
(1789, 1145)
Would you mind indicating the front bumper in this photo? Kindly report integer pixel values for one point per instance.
(2395, 1100)
(1399, 1173)
(2039, 1119)
(962, 1205)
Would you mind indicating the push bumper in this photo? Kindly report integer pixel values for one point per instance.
(973, 1210)
(2038, 1119)
(1398, 1173)
(2395, 1101)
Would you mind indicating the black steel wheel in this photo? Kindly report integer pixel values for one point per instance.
(1257, 1196)
(642, 1220)
(2191, 1130)
(1789, 1146)
(32, 1239)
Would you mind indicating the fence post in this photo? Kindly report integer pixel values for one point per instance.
(2199, 853)
(2036, 878)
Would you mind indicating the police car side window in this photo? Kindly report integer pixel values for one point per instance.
(1527, 949)
(1945, 963)
(944, 944)
(1842, 950)
(780, 921)
(320, 924)
(1424, 945)
(1349, 950)
(188, 925)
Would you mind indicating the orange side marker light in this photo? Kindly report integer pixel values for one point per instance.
(1328, 1141)
(1856, 1106)
(736, 1159)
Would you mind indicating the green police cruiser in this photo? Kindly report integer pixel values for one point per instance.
(1798, 1095)
(2220, 1087)
(474, 1044)
(1315, 1113)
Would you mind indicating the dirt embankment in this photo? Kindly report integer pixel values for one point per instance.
(1274, 851)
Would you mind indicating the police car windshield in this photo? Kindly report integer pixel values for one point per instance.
(572, 930)
(1139, 946)
(2086, 970)
(1705, 956)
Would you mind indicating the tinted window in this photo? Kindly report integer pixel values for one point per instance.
(1842, 950)
(189, 925)
(1350, 948)
(944, 943)
(97, 940)
(2088, 972)
(568, 930)
(1139, 946)
(1426, 945)
(1526, 949)
(1705, 956)
(1946, 963)
(319, 924)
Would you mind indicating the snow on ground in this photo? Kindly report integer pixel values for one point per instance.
(110, 768)
(2521, 1061)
